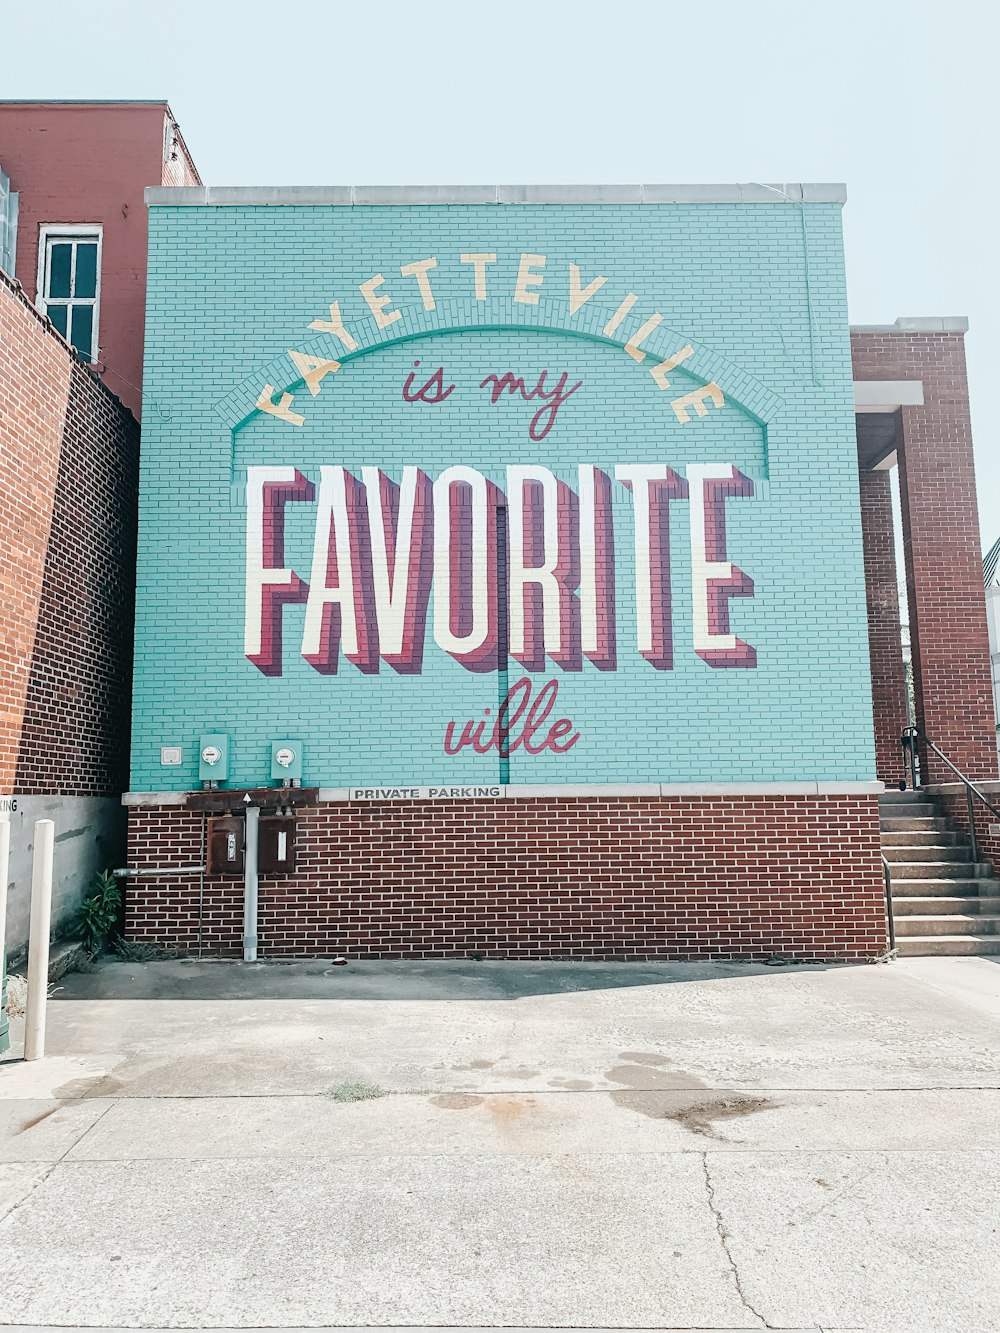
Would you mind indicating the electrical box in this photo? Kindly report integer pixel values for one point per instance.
(276, 845)
(225, 845)
(213, 758)
(286, 761)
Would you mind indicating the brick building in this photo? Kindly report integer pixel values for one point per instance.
(69, 461)
(72, 297)
(992, 581)
(520, 530)
(77, 242)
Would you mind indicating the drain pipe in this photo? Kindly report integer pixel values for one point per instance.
(250, 883)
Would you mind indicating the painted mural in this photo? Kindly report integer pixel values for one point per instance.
(517, 499)
(489, 574)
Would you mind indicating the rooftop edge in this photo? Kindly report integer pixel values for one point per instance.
(348, 195)
(918, 324)
(83, 101)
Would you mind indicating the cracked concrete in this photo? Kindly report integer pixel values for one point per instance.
(724, 1241)
(543, 1158)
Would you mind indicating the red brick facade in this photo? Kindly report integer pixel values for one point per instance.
(86, 163)
(884, 642)
(944, 575)
(955, 805)
(582, 877)
(68, 483)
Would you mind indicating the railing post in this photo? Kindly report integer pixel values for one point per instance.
(972, 823)
(887, 877)
(971, 790)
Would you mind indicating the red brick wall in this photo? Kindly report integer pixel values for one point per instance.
(34, 388)
(884, 642)
(944, 576)
(68, 484)
(80, 163)
(956, 807)
(587, 877)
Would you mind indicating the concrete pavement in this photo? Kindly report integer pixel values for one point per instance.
(547, 1145)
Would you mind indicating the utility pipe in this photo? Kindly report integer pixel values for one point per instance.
(129, 872)
(38, 939)
(250, 885)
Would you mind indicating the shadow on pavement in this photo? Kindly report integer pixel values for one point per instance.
(319, 979)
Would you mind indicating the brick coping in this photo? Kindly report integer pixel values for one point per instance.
(349, 195)
(498, 791)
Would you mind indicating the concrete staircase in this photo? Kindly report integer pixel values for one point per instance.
(943, 901)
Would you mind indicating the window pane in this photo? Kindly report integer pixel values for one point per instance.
(86, 269)
(57, 314)
(83, 329)
(60, 259)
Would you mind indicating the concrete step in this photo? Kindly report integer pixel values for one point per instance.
(922, 825)
(896, 854)
(907, 810)
(940, 888)
(932, 837)
(969, 923)
(937, 870)
(919, 946)
(938, 905)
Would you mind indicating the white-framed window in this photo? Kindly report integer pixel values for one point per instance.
(69, 282)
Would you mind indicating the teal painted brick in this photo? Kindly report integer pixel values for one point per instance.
(231, 289)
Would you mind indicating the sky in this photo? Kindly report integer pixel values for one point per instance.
(898, 98)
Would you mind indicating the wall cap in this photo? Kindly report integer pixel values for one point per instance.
(550, 791)
(138, 798)
(188, 196)
(918, 324)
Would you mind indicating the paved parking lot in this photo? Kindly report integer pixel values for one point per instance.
(530, 1145)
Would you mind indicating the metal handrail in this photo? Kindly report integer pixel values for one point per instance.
(887, 876)
(909, 740)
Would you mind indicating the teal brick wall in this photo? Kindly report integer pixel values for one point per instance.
(756, 290)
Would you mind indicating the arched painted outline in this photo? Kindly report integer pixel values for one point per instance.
(549, 318)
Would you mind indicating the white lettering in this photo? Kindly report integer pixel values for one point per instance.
(449, 595)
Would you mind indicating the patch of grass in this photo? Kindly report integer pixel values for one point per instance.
(135, 951)
(356, 1091)
(17, 994)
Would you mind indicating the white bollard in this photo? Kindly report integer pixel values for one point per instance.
(38, 939)
(4, 871)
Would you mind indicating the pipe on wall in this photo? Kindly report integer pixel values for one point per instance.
(250, 885)
(130, 872)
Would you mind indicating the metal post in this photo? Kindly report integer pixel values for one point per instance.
(250, 885)
(38, 939)
(4, 871)
(887, 877)
(972, 824)
(910, 745)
